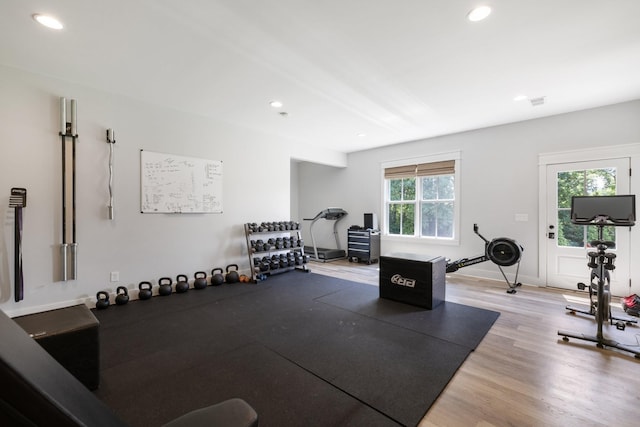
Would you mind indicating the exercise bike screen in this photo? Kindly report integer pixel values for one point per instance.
(618, 210)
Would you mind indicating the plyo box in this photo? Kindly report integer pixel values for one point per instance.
(413, 279)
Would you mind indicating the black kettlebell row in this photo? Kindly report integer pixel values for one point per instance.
(291, 259)
(277, 244)
(102, 298)
(273, 226)
(165, 285)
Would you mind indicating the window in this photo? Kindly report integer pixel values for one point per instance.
(402, 206)
(436, 206)
(420, 200)
(590, 182)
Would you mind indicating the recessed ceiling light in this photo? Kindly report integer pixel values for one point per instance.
(520, 97)
(537, 101)
(362, 135)
(276, 104)
(479, 13)
(48, 21)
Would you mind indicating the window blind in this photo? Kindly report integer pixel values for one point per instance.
(444, 167)
(400, 172)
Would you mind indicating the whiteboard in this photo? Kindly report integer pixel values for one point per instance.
(178, 184)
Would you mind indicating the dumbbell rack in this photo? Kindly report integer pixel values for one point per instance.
(272, 251)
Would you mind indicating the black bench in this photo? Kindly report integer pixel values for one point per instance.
(69, 335)
(37, 390)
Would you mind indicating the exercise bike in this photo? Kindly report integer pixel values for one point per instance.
(502, 251)
(602, 211)
(607, 259)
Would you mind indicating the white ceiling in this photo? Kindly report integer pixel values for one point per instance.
(395, 70)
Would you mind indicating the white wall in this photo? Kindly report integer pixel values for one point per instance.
(294, 191)
(140, 247)
(499, 178)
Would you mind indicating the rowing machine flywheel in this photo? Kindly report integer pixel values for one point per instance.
(504, 252)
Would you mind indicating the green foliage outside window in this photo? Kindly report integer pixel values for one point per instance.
(436, 206)
(593, 182)
(401, 215)
(401, 219)
(438, 193)
(402, 189)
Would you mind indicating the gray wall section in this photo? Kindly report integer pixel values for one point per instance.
(140, 247)
(499, 179)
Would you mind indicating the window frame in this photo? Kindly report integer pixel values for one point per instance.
(412, 202)
(384, 229)
(438, 203)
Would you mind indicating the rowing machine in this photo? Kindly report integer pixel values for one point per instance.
(501, 251)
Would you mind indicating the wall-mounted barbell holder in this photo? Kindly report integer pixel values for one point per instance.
(111, 140)
(68, 129)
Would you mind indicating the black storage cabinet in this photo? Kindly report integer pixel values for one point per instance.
(364, 245)
(413, 279)
(70, 335)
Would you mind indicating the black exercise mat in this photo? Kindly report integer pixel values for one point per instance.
(457, 323)
(395, 370)
(303, 349)
(158, 306)
(282, 393)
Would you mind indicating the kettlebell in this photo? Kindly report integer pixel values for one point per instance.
(182, 284)
(217, 278)
(122, 296)
(232, 276)
(145, 290)
(200, 280)
(102, 300)
(164, 286)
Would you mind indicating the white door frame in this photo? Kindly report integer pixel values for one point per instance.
(588, 154)
(566, 265)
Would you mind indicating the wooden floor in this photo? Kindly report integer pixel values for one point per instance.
(523, 373)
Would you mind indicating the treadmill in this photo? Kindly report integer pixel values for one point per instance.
(325, 254)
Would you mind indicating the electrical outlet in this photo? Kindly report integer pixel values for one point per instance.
(115, 276)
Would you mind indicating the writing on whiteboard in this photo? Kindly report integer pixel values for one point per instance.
(179, 184)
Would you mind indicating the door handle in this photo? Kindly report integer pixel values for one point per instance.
(552, 235)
